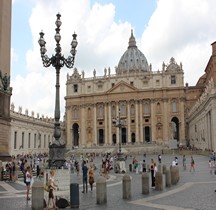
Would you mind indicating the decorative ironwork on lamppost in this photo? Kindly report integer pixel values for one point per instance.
(119, 122)
(57, 148)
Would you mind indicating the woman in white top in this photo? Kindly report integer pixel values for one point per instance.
(28, 177)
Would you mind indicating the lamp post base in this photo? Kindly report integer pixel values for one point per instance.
(56, 155)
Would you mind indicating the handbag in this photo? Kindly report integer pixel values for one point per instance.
(46, 187)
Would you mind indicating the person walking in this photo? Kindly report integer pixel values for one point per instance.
(152, 173)
(192, 167)
(184, 162)
(28, 177)
(91, 176)
(52, 187)
(85, 177)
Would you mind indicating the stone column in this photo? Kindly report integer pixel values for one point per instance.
(126, 187)
(137, 121)
(165, 120)
(153, 123)
(141, 122)
(128, 123)
(82, 138)
(109, 124)
(106, 123)
(101, 191)
(5, 35)
(5, 95)
(145, 183)
(117, 129)
(182, 122)
(37, 195)
(95, 126)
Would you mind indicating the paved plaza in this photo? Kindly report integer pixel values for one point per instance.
(195, 190)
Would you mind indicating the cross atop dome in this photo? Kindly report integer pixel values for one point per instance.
(132, 40)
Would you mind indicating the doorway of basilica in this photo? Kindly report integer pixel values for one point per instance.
(75, 135)
(147, 137)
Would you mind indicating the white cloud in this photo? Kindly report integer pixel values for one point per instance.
(181, 29)
(100, 44)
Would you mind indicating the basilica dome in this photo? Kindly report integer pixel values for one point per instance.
(133, 59)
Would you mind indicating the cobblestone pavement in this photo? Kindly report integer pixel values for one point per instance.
(195, 190)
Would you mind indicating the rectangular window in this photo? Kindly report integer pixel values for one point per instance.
(15, 139)
(173, 79)
(75, 88)
(146, 108)
(174, 106)
(35, 140)
(131, 83)
(29, 140)
(23, 139)
(157, 82)
(113, 84)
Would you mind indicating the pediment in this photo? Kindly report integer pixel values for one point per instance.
(122, 87)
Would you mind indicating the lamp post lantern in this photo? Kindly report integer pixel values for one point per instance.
(57, 148)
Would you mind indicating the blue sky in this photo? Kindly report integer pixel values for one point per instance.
(163, 29)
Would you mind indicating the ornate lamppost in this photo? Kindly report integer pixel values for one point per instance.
(119, 122)
(57, 148)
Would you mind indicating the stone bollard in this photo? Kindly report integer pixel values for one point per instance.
(158, 181)
(164, 169)
(37, 195)
(174, 175)
(145, 183)
(168, 178)
(126, 187)
(101, 191)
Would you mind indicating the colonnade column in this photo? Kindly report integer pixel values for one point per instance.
(182, 121)
(165, 120)
(106, 123)
(117, 129)
(128, 123)
(137, 122)
(69, 128)
(213, 131)
(141, 122)
(95, 126)
(153, 123)
(82, 139)
(109, 124)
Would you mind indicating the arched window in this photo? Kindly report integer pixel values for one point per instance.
(132, 109)
(100, 111)
(146, 108)
(113, 111)
(75, 113)
(158, 108)
(123, 109)
(174, 106)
